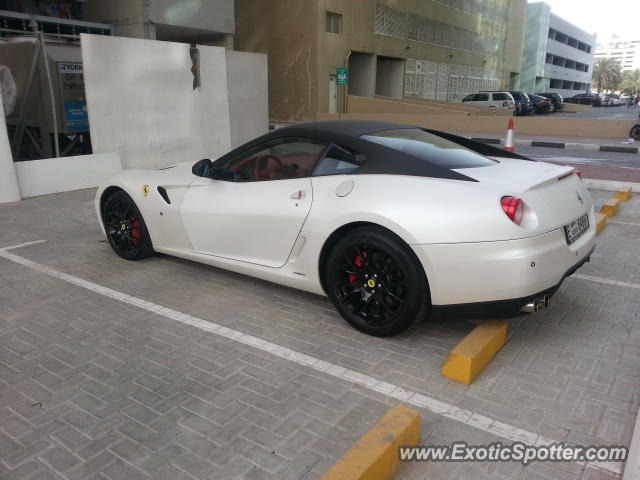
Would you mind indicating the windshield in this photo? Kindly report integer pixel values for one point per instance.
(430, 148)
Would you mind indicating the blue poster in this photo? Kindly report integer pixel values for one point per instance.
(75, 115)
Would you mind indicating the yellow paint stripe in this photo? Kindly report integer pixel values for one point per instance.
(611, 207)
(375, 455)
(475, 351)
(624, 194)
(601, 222)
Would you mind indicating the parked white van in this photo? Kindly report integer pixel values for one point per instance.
(491, 99)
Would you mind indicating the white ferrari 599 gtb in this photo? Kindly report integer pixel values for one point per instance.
(392, 222)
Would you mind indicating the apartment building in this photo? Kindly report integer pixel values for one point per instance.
(558, 56)
(435, 49)
(627, 52)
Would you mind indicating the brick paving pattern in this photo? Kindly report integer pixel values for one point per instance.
(93, 388)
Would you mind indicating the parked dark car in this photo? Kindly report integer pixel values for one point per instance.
(586, 99)
(523, 103)
(541, 104)
(556, 99)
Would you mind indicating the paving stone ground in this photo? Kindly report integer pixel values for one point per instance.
(94, 388)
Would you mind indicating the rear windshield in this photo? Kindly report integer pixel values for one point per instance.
(431, 148)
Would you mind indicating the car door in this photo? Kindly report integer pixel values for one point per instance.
(255, 212)
(482, 99)
(499, 100)
(470, 99)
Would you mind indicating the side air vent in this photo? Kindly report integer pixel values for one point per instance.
(163, 193)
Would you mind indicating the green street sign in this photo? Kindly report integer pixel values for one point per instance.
(342, 76)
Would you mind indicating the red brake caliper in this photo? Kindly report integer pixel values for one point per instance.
(358, 263)
(135, 232)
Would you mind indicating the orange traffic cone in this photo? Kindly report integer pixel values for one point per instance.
(508, 143)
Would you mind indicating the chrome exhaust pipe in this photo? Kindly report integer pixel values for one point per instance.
(536, 304)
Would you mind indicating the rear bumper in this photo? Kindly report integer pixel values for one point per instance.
(501, 308)
(469, 274)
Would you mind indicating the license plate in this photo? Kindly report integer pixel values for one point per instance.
(576, 229)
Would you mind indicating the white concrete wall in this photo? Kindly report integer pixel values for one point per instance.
(142, 104)
(248, 95)
(53, 175)
(8, 184)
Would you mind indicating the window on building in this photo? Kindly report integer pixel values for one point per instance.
(334, 23)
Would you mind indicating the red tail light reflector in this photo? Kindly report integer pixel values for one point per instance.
(513, 208)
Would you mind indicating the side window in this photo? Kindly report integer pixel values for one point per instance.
(276, 160)
(469, 98)
(499, 96)
(482, 97)
(339, 160)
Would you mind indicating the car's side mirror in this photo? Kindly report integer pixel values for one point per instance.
(202, 167)
(206, 168)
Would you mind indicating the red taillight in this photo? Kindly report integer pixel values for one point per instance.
(513, 207)
(579, 173)
(504, 104)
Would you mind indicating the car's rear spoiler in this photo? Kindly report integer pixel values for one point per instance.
(477, 146)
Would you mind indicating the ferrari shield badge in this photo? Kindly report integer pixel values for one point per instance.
(145, 190)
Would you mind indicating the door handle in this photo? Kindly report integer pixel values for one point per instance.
(297, 195)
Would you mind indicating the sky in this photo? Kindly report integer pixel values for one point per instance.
(604, 17)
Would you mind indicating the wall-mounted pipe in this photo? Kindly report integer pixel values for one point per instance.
(51, 97)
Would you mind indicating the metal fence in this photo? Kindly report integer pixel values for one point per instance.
(396, 23)
(489, 9)
(442, 81)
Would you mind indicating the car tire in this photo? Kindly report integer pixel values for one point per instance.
(376, 282)
(635, 132)
(125, 228)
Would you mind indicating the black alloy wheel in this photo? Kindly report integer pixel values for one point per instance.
(376, 282)
(635, 132)
(125, 227)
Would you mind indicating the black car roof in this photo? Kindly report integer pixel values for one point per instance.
(380, 159)
(353, 128)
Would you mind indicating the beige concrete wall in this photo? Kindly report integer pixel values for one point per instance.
(375, 105)
(287, 31)
(560, 126)
(451, 106)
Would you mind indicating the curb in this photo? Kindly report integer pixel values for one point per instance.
(375, 455)
(610, 208)
(611, 185)
(632, 465)
(475, 351)
(561, 145)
